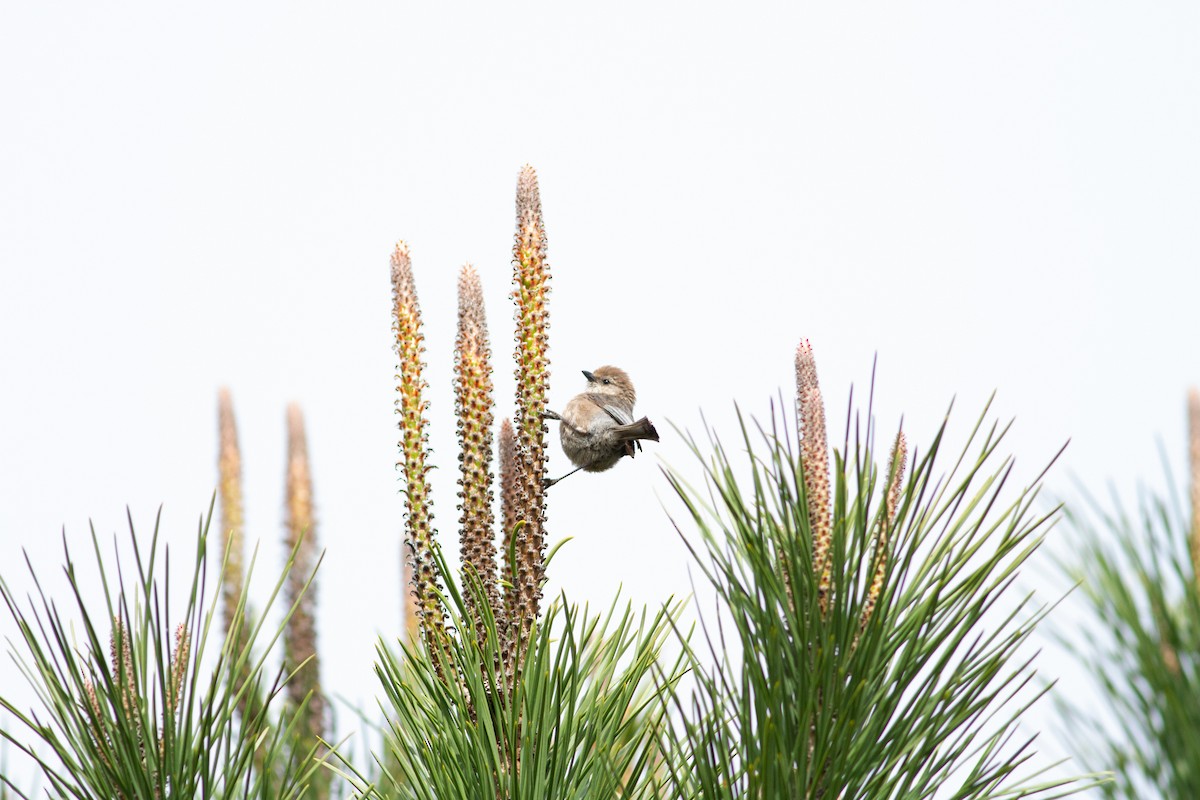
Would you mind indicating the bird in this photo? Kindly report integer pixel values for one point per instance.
(597, 426)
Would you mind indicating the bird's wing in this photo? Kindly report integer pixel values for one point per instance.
(618, 414)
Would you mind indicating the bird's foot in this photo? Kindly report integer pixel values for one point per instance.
(548, 482)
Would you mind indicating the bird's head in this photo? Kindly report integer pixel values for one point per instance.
(611, 381)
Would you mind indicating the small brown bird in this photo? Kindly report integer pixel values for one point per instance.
(597, 426)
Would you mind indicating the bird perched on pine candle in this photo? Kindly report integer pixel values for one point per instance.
(597, 426)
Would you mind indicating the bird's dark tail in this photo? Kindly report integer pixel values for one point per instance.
(642, 429)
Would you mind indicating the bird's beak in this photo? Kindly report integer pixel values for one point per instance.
(591, 378)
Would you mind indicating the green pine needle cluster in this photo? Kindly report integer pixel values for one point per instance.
(1139, 643)
(833, 690)
(130, 707)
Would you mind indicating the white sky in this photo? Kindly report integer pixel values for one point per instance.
(994, 195)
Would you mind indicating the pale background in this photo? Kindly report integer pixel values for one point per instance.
(987, 196)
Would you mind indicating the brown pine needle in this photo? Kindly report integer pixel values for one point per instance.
(406, 324)
(509, 500)
(814, 456)
(531, 276)
(884, 535)
(473, 409)
(300, 636)
(229, 471)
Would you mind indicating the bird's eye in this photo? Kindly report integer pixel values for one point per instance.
(607, 381)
